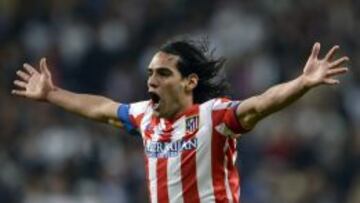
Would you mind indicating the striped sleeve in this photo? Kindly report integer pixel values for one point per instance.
(228, 116)
(131, 115)
(124, 117)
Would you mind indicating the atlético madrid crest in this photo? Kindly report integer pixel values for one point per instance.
(192, 123)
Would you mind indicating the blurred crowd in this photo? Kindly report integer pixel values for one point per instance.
(309, 152)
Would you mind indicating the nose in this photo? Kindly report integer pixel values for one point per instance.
(152, 82)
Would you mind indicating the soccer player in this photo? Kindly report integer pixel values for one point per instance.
(189, 129)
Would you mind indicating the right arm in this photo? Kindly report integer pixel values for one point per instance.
(38, 85)
(94, 107)
(316, 72)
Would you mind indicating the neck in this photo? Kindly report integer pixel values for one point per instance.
(187, 103)
(179, 107)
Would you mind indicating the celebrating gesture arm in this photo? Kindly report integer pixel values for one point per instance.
(38, 85)
(316, 72)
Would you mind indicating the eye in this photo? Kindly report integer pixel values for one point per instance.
(165, 72)
(149, 72)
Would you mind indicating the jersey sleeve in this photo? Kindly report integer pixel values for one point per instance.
(226, 120)
(131, 115)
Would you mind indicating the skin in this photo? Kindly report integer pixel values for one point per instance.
(175, 91)
(165, 80)
(38, 85)
(317, 71)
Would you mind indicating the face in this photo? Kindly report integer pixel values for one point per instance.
(168, 90)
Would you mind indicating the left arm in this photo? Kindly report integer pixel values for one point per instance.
(316, 72)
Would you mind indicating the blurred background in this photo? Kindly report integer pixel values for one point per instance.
(309, 152)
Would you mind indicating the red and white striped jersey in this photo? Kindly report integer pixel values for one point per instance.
(190, 158)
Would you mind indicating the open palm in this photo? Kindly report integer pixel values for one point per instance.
(34, 84)
(322, 71)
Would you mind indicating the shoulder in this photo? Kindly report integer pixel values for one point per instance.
(140, 107)
(220, 103)
(131, 114)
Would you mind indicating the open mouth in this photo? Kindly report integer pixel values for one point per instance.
(155, 98)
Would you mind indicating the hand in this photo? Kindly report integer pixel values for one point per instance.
(322, 71)
(34, 84)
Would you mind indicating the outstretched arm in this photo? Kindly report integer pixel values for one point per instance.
(38, 85)
(316, 72)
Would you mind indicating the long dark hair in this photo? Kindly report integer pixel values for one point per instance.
(196, 57)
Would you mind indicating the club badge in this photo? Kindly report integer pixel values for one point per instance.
(192, 123)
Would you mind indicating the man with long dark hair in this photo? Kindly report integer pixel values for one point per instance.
(189, 128)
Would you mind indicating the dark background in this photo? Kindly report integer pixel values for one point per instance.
(308, 153)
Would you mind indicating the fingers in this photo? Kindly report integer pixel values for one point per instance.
(334, 72)
(30, 69)
(331, 53)
(20, 84)
(337, 71)
(23, 75)
(43, 67)
(315, 50)
(331, 81)
(339, 62)
(19, 92)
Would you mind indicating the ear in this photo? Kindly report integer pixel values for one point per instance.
(192, 81)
